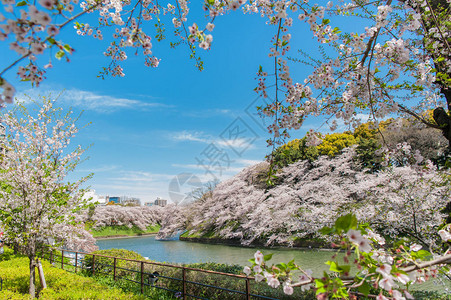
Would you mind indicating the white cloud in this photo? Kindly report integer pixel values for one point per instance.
(191, 136)
(88, 100)
(189, 166)
(99, 169)
(238, 143)
(209, 113)
(140, 177)
(235, 167)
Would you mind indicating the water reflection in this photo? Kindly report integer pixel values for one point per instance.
(186, 252)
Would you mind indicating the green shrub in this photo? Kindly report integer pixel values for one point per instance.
(133, 287)
(104, 265)
(365, 154)
(293, 151)
(332, 144)
(426, 295)
(8, 254)
(125, 278)
(224, 268)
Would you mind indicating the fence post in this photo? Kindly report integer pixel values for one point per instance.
(248, 289)
(76, 261)
(184, 282)
(114, 269)
(62, 259)
(93, 265)
(142, 277)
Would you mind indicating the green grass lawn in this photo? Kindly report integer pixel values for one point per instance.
(61, 285)
(123, 231)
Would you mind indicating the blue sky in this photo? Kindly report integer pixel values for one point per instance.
(154, 124)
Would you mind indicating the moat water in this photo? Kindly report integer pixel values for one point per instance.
(176, 251)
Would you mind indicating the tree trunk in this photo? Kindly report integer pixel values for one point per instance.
(442, 116)
(31, 252)
(443, 119)
(32, 289)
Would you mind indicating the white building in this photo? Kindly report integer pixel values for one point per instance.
(92, 197)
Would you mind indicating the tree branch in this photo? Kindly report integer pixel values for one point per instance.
(51, 36)
(418, 117)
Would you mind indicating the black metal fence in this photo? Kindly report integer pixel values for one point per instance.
(185, 282)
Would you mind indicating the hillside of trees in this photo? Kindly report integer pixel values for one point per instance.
(402, 192)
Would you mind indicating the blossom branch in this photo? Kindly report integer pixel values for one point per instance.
(51, 36)
(446, 259)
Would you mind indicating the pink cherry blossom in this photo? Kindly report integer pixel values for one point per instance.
(354, 236)
(415, 247)
(258, 257)
(247, 270)
(444, 235)
(387, 283)
(273, 282)
(257, 269)
(385, 270)
(259, 277)
(381, 297)
(402, 278)
(287, 288)
(397, 295)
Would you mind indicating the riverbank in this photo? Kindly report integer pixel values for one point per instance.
(297, 243)
(112, 237)
(113, 232)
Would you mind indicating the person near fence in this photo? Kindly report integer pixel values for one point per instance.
(1, 243)
(153, 278)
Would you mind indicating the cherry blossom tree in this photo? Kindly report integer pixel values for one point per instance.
(37, 205)
(171, 218)
(397, 60)
(116, 215)
(402, 199)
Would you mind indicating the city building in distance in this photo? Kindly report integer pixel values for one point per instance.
(159, 202)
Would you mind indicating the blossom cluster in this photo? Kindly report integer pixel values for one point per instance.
(142, 217)
(387, 269)
(366, 70)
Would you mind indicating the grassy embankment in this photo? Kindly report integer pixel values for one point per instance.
(14, 271)
(118, 231)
